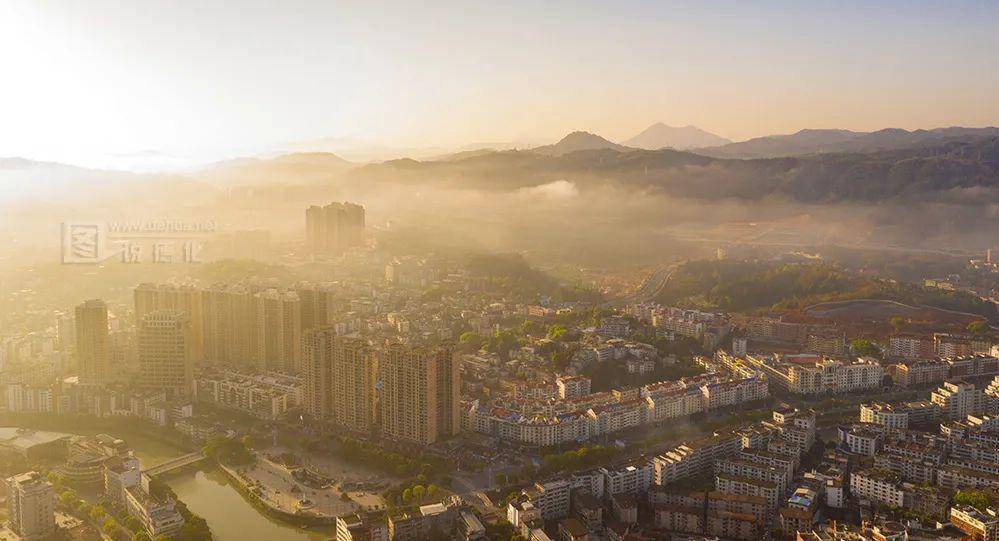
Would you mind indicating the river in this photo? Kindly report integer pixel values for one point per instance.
(229, 515)
(208, 494)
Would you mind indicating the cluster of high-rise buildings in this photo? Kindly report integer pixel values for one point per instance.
(163, 347)
(334, 228)
(410, 393)
(179, 328)
(242, 326)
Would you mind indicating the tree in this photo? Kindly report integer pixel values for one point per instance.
(978, 328)
(419, 492)
(97, 513)
(407, 495)
(975, 498)
(501, 342)
(132, 524)
(470, 341)
(897, 322)
(531, 327)
(556, 332)
(864, 348)
(67, 497)
(55, 479)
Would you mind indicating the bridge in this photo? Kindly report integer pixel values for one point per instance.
(175, 464)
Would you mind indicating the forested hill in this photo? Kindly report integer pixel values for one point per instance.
(942, 170)
(764, 285)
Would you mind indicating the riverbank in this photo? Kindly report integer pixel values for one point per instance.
(211, 494)
(241, 485)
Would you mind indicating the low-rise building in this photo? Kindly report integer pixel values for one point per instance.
(957, 399)
(677, 518)
(31, 506)
(364, 527)
(956, 477)
(632, 477)
(979, 525)
(266, 396)
(158, 516)
(861, 439)
(572, 386)
(878, 486)
(746, 486)
(694, 458)
(570, 529)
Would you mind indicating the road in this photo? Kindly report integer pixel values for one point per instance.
(648, 289)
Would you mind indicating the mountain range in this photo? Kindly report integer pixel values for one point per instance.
(808, 166)
(829, 141)
(924, 171)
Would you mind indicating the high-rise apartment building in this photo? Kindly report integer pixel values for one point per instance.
(448, 389)
(319, 305)
(163, 351)
(92, 342)
(237, 328)
(213, 309)
(278, 331)
(354, 371)
(65, 332)
(186, 299)
(332, 229)
(317, 362)
(418, 395)
(31, 504)
(407, 395)
(340, 379)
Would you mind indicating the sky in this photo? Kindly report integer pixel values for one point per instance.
(106, 83)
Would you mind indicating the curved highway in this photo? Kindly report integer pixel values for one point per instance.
(648, 289)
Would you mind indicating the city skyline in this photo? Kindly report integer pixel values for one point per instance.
(521, 271)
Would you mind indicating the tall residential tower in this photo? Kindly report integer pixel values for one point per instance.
(92, 342)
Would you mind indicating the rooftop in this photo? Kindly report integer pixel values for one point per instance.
(24, 438)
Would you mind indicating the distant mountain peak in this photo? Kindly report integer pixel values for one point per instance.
(579, 140)
(660, 135)
(583, 136)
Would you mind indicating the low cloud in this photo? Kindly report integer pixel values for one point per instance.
(560, 189)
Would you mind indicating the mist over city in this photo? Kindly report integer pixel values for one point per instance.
(563, 271)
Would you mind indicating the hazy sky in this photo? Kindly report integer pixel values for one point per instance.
(195, 78)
